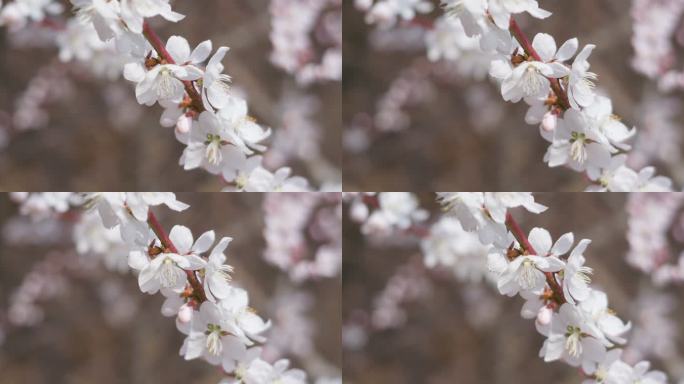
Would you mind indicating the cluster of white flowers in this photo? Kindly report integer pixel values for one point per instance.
(654, 233)
(303, 234)
(579, 123)
(17, 13)
(111, 38)
(295, 43)
(448, 246)
(656, 27)
(215, 315)
(395, 210)
(210, 120)
(387, 12)
(44, 204)
(580, 328)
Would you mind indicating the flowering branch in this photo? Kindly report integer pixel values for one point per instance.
(518, 233)
(168, 244)
(158, 46)
(524, 42)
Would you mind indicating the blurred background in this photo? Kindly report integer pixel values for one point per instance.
(414, 125)
(404, 323)
(70, 318)
(62, 128)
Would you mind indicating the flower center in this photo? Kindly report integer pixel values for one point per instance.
(578, 149)
(224, 271)
(241, 180)
(168, 276)
(573, 341)
(588, 79)
(583, 273)
(166, 84)
(213, 151)
(532, 81)
(214, 345)
(527, 276)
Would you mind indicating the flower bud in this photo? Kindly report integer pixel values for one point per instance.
(544, 315)
(184, 124)
(549, 122)
(185, 313)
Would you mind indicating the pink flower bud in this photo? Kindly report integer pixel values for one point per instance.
(549, 122)
(184, 124)
(185, 313)
(544, 315)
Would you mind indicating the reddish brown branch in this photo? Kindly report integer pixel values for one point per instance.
(159, 46)
(168, 244)
(525, 243)
(529, 49)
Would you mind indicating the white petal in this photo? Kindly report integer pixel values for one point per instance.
(540, 239)
(563, 244)
(138, 260)
(204, 242)
(545, 46)
(134, 72)
(181, 237)
(201, 52)
(567, 50)
(179, 49)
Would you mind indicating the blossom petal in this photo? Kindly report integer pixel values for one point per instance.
(563, 244)
(179, 49)
(567, 50)
(201, 52)
(540, 239)
(181, 237)
(204, 242)
(545, 46)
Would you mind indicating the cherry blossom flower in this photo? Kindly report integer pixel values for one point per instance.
(501, 10)
(211, 337)
(581, 81)
(614, 176)
(620, 372)
(104, 16)
(576, 275)
(485, 212)
(244, 323)
(595, 306)
(448, 245)
(530, 78)
(262, 180)
(168, 270)
(244, 132)
(576, 144)
(133, 12)
(209, 144)
(216, 272)
(215, 84)
(572, 339)
(164, 81)
(526, 272)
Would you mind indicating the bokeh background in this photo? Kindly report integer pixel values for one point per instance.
(452, 332)
(461, 134)
(98, 328)
(98, 138)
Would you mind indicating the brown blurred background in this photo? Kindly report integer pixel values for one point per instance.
(443, 149)
(77, 343)
(462, 333)
(99, 138)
